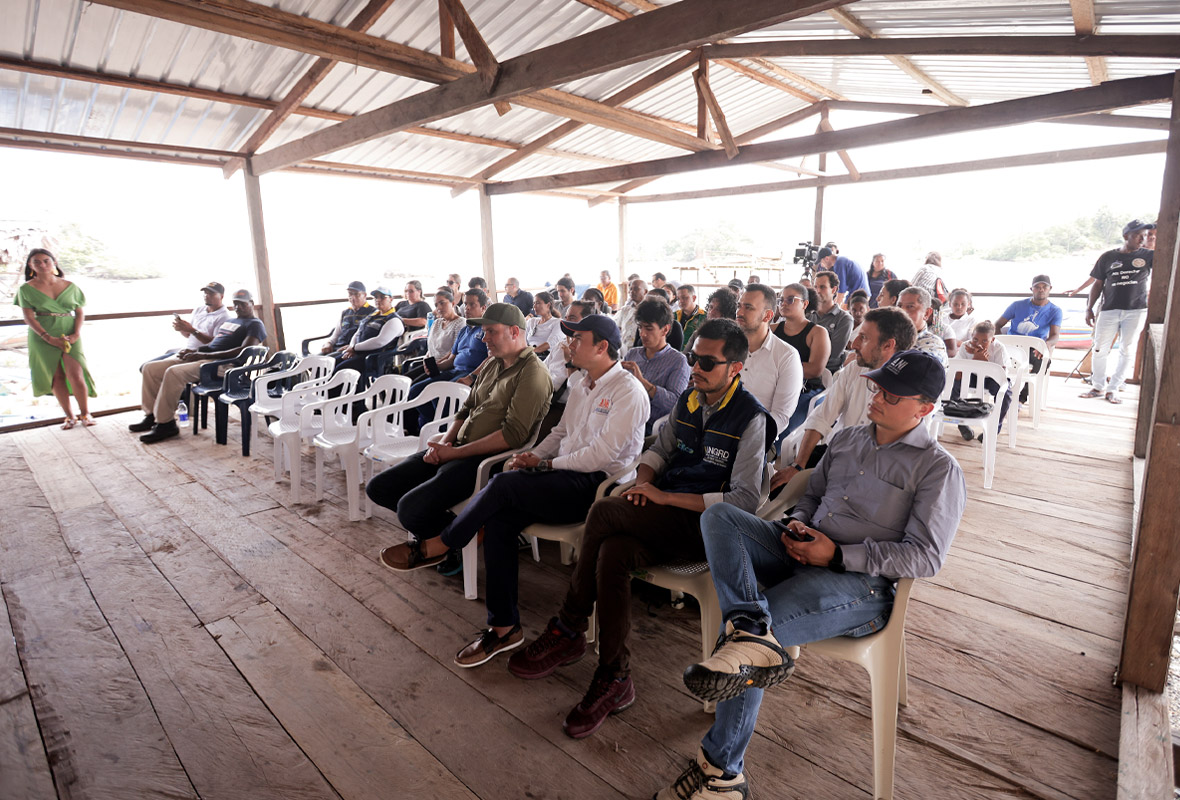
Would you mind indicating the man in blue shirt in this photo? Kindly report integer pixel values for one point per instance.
(829, 569)
(164, 381)
(851, 276)
(1038, 317)
(517, 296)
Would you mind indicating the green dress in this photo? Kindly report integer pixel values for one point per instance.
(44, 358)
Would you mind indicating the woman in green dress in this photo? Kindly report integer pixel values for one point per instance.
(53, 311)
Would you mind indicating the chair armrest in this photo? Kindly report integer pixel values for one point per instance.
(605, 487)
(306, 342)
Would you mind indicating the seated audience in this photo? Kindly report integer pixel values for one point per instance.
(752, 279)
(660, 281)
(958, 324)
(467, 352)
(598, 435)
(501, 413)
(858, 306)
(722, 305)
(596, 297)
(441, 337)
(915, 302)
(414, 311)
(625, 318)
(773, 372)
(559, 368)
(835, 320)
(890, 292)
(982, 346)
(689, 315)
(378, 331)
(545, 328)
(715, 452)
(610, 292)
(829, 570)
(565, 295)
(849, 275)
(877, 276)
(164, 380)
(359, 307)
(737, 287)
(675, 333)
(1037, 316)
(662, 370)
(810, 341)
(455, 285)
(929, 276)
(885, 331)
(518, 297)
(206, 321)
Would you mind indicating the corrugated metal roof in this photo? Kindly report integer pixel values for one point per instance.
(108, 41)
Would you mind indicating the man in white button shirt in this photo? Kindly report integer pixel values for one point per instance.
(885, 331)
(773, 372)
(600, 433)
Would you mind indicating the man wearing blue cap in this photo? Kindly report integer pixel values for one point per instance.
(350, 319)
(600, 434)
(884, 503)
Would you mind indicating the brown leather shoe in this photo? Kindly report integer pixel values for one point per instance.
(605, 696)
(487, 646)
(408, 556)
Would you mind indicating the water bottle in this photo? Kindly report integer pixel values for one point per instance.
(182, 411)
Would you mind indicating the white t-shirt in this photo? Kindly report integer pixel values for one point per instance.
(207, 322)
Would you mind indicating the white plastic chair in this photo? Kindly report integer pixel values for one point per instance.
(1038, 384)
(300, 420)
(390, 444)
(309, 370)
(790, 445)
(980, 371)
(882, 654)
(344, 440)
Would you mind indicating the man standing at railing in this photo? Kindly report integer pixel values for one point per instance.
(164, 381)
(712, 450)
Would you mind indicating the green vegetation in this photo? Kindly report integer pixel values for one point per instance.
(79, 253)
(719, 239)
(1100, 231)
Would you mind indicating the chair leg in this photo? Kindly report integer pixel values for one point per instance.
(194, 411)
(278, 455)
(884, 678)
(295, 457)
(470, 568)
(365, 489)
(710, 624)
(903, 679)
(205, 412)
(592, 628)
(319, 475)
(220, 422)
(352, 482)
(567, 553)
(537, 549)
(247, 427)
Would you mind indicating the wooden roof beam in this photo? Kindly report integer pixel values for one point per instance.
(681, 26)
(1085, 23)
(853, 172)
(1121, 46)
(853, 24)
(446, 31)
(1101, 120)
(1112, 94)
(485, 63)
(710, 100)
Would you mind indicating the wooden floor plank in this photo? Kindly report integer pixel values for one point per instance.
(62, 482)
(24, 765)
(358, 747)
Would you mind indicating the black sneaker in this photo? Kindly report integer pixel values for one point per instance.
(487, 646)
(552, 649)
(966, 432)
(160, 432)
(145, 424)
(452, 563)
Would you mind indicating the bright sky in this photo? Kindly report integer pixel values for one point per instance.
(326, 230)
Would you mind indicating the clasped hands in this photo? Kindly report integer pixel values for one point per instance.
(439, 453)
(522, 460)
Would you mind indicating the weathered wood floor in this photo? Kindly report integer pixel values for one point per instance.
(173, 627)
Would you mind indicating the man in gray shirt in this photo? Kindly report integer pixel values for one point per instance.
(828, 315)
(884, 503)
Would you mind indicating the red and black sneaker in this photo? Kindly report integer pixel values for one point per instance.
(554, 648)
(605, 696)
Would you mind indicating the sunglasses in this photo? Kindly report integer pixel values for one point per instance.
(889, 397)
(790, 300)
(708, 363)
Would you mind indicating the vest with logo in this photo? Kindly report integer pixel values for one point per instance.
(372, 324)
(350, 320)
(706, 451)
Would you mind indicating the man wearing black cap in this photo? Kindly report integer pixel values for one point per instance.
(829, 569)
(207, 319)
(600, 434)
(164, 381)
(350, 319)
(1037, 316)
(503, 410)
(1120, 279)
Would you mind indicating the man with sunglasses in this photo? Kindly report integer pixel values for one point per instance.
(712, 451)
(828, 569)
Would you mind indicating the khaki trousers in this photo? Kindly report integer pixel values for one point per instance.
(163, 383)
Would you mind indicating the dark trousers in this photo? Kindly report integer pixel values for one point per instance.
(422, 494)
(506, 506)
(620, 537)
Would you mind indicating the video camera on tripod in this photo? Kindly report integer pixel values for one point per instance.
(807, 254)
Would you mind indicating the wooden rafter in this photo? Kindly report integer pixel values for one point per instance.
(682, 26)
(485, 62)
(853, 24)
(446, 31)
(1100, 120)
(1112, 94)
(704, 132)
(1122, 46)
(1085, 23)
(10, 135)
(826, 125)
(706, 94)
(270, 26)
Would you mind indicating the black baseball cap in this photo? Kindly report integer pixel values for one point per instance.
(1135, 225)
(910, 373)
(1041, 279)
(824, 252)
(601, 326)
(213, 286)
(357, 286)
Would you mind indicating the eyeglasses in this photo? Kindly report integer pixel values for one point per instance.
(708, 363)
(889, 397)
(790, 299)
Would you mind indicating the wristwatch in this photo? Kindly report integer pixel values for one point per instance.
(795, 465)
(837, 562)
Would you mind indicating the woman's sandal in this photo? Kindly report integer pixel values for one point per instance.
(69, 423)
(89, 421)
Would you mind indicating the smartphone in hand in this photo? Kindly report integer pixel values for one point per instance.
(791, 534)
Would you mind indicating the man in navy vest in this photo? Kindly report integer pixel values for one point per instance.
(712, 450)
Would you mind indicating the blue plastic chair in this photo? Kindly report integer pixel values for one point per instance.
(239, 391)
(211, 383)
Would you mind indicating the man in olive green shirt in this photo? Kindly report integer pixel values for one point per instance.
(503, 410)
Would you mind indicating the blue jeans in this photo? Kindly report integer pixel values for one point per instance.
(758, 581)
(1127, 324)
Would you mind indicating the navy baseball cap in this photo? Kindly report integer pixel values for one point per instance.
(824, 252)
(357, 286)
(1135, 225)
(602, 326)
(911, 373)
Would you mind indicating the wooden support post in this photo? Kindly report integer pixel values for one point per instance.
(817, 231)
(705, 92)
(446, 31)
(622, 241)
(1155, 563)
(487, 246)
(703, 131)
(266, 298)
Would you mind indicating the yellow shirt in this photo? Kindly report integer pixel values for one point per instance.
(610, 294)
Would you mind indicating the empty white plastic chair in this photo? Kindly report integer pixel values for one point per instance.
(344, 440)
(972, 384)
(268, 397)
(1038, 384)
(300, 420)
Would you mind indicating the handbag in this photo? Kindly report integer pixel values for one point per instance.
(967, 408)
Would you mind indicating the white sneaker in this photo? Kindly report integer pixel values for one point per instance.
(703, 781)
